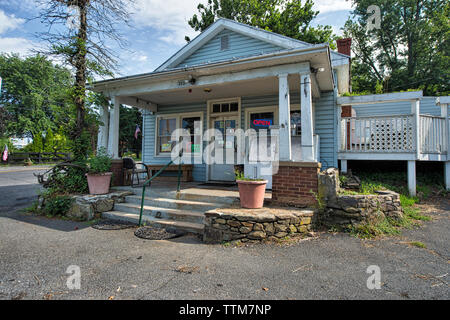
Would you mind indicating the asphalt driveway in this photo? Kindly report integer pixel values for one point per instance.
(35, 253)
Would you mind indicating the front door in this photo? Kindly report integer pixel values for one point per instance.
(224, 148)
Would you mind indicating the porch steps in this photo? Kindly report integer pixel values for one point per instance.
(162, 212)
(184, 211)
(160, 223)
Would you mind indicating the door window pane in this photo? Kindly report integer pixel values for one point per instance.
(193, 126)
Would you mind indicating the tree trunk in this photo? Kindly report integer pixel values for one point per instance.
(80, 75)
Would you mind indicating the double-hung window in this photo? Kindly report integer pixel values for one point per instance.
(167, 124)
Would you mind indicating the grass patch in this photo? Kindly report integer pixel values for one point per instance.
(418, 244)
(428, 184)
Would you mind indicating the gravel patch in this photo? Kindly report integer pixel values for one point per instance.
(112, 225)
(151, 233)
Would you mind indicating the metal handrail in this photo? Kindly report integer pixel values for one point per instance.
(147, 183)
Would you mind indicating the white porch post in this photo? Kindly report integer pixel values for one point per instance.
(284, 117)
(103, 131)
(344, 168)
(307, 117)
(415, 110)
(444, 114)
(113, 140)
(412, 177)
(447, 174)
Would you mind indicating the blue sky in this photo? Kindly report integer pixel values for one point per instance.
(159, 27)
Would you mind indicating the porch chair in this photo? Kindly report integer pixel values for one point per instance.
(131, 168)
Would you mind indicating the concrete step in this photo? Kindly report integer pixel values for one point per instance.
(150, 220)
(162, 213)
(174, 203)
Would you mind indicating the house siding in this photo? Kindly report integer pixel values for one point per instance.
(326, 128)
(427, 106)
(239, 46)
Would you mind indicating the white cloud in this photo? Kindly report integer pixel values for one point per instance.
(332, 5)
(170, 17)
(9, 22)
(17, 45)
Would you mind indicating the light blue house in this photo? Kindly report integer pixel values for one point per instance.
(234, 76)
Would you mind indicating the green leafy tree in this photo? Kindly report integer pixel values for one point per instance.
(78, 31)
(35, 95)
(409, 50)
(287, 17)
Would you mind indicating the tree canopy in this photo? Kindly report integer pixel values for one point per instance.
(287, 17)
(35, 95)
(409, 50)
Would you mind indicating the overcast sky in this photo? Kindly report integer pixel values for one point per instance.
(159, 28)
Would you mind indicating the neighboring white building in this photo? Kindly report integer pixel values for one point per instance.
(19, 143)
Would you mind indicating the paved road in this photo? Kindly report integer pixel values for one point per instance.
(35, 253)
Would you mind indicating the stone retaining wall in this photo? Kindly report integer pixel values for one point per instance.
(255, 224)
(338, 208)
(85, 207)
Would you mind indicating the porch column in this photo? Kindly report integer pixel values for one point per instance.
(412, 177)
(415, 110)
(344, 167)
(103, 130)
(284, 117)
(113, 140)
(307, 120)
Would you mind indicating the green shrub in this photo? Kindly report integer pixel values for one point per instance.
(100, 163)
(57, 205)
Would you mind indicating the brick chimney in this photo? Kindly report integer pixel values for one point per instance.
(344, 46)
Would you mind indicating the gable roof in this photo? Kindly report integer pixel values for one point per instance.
(219, 26)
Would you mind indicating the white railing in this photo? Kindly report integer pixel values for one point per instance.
(296, 148)
(377, 134)
(433, 135)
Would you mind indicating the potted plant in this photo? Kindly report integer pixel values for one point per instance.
(99, 173)
(251, 191)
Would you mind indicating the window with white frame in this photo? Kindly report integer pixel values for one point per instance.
(166, 125)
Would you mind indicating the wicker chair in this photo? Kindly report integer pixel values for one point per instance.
(131, 168)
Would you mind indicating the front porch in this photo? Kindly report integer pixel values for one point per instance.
(410, 137)
(286, 88)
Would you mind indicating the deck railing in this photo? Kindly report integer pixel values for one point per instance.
(377, 134)
(391, 134)
(433, 137)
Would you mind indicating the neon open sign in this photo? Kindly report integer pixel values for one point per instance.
(262, 122)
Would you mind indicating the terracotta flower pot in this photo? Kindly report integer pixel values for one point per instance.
(99, 183)
(252, 193)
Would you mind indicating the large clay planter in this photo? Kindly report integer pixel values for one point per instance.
(252, 193)
(99, 183)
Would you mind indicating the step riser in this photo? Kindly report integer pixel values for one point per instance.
(149, 221)
(190, 197)
(160, 214)
(160, 203)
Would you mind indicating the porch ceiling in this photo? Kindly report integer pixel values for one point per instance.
(255, 87)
